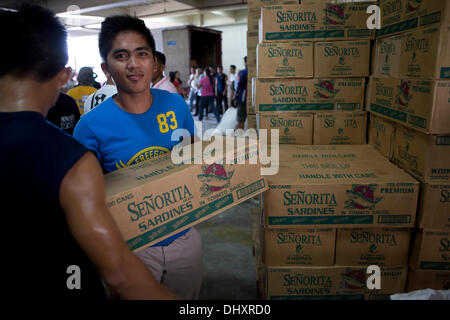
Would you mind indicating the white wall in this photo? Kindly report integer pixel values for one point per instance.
(158, 36)
(83, 52)
(234, 45)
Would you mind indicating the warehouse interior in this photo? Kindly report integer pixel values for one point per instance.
(83, 19)
(364, 131)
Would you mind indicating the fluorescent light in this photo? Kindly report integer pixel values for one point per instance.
(93, 26)
(79, 16)
(75, 29)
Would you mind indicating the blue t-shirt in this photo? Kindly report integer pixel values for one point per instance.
(221, 83)
(241, 91)
(120, 138)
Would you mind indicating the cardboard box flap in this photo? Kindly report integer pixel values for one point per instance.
(339, 172)
(139, 174)
(158, 168)
(291, 153)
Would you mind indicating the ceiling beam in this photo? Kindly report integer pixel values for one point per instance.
(221, 8)
(193, 3)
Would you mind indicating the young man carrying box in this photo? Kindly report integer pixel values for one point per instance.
(135, 125)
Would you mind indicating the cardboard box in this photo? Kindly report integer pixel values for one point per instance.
(386, 58)
(342, 59)
(309, 94)
(381, 135)
(254, 11)
(398, 16)
(425, 156)
(258, 4)
(252, 42)
(333, 193)
(250, 109)
(293, 127)
(293, 22)
(252, 59)
(348, 20)
(340, 127)
(251, 71)
(293, 246)
(255, 230)
(254, 15)
(422, 54)
(155, 199)
(315, 21)
(420, 280)
(372, 246)
(251, 121)
(297, 153)
(423, 105)
(250, 101)
(285, 59)
(260, 276)
(337, 283)
(434, 206)
(431, 250)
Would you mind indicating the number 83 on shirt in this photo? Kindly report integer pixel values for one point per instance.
(163, 119)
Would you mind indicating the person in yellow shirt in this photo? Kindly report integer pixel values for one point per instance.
(84, 88)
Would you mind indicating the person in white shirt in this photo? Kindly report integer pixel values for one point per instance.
(159, 81)
(109, 89)
(194, 80)
(233, 82)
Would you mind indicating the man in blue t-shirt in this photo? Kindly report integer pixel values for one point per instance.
(136, 125)
(221, 90)
(241, 95)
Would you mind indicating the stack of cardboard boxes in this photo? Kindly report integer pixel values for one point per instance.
(329, 213)
(409, 104)
(333, 210)
(254, 15)
(311, 62)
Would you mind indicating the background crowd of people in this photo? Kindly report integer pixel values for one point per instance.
(212, 90)
(208, 90)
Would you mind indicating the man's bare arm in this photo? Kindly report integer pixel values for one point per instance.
(82, 197)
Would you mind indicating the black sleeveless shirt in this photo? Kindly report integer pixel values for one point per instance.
(38, 249)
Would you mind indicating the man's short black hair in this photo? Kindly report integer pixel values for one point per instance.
(112, 26)
(233, 66)
(160, 57)
(34, 43)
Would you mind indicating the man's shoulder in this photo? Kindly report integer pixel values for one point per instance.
(98, 112)
(168, 99)
(90, 89)
(73, 91)
(50, 132)
(164, 95)
(106, 91)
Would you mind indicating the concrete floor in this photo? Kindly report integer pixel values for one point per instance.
(228, 262)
